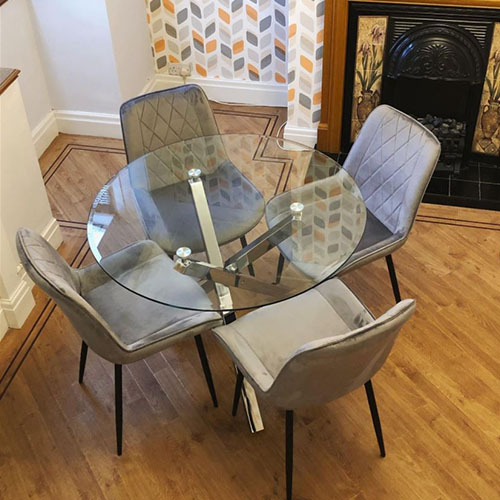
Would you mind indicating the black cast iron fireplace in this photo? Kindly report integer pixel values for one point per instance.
(435, 72)
(434, 66)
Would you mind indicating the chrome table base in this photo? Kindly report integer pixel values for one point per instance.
(223, 293)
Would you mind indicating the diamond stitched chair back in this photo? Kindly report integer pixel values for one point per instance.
(62, 283)
(392, 162)
(161, 118)
(115, 323)
(158, 119)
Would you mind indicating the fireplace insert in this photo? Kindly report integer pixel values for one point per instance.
(427, 61)
(435, 72)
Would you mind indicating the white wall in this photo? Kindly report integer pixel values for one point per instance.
(18, 49)
(77, 53)
(23, 202)
(131, 45)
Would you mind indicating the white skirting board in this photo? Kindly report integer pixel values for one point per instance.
(44, 133)
(52, 233)
(74, 122)
(86, 123)
(303, 135)
(218, 89)
(4, 326)
(80, 123)
(15, 309)
(234, 91)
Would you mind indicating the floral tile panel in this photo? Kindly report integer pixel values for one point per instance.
(368, 69)
(487, 134)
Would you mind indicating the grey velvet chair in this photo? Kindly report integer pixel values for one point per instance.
(392, 162)
(115, 323)
(152, 121)
(312, 349)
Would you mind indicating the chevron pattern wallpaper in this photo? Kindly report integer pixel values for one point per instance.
(305, 56)
(273, 41)
(230, 39)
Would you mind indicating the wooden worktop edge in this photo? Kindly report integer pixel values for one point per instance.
(7, 80)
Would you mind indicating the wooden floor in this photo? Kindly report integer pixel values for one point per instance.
(438, 395)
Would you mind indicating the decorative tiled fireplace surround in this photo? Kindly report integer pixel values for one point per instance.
(395, 51)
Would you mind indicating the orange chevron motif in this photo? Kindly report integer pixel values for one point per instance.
(211, 46)
(279, 78)
(306, 64)
(169, 5)
(252, 13)
(253, 69)
(224, 16)
(159, 45)
(238, 47)
(197, 36)
(201, 70)
(279, 44)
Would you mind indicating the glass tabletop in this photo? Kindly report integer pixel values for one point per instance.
(226, 222)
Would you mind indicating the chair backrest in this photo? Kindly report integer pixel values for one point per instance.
(157, 119)
(392, 161)
(328, 368)
(55, 277)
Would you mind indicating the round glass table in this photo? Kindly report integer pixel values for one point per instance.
(252, 219)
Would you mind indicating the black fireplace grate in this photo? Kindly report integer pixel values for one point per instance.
(451, 134)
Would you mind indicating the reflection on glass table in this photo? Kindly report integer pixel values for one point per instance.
(198, 198)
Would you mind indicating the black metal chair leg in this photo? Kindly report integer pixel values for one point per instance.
(279, 271)
(244, 243)
(394, 279)
(83, 361)
(375, 417)
(229, 318)
(118, 408)
(289, 453)
(206, 368)
(237, 392)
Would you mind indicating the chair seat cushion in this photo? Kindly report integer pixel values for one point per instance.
(263, 340)
(169, 214)
(139, 321)
(377, 241)
(330, 227)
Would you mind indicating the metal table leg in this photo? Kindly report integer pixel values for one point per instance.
(215, 257)
(248, 394)
(252, 407)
